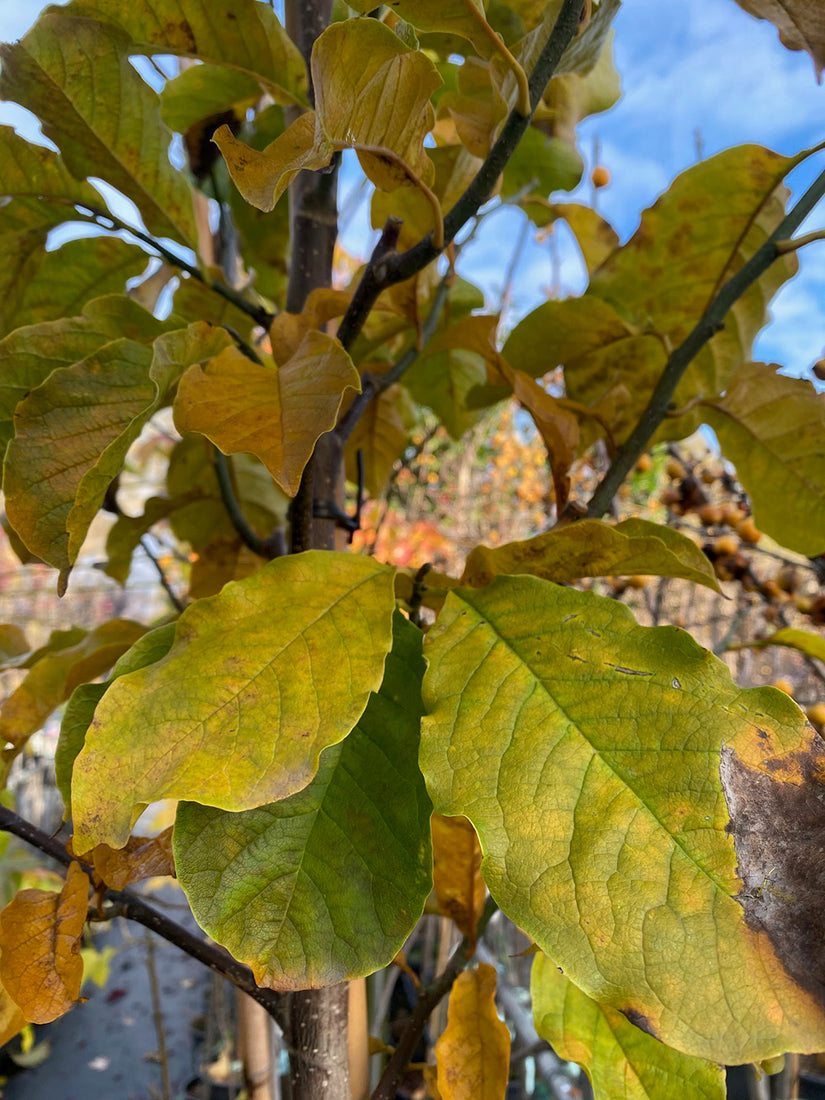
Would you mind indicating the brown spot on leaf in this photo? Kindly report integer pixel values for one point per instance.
(639, 1020)
(778, 829)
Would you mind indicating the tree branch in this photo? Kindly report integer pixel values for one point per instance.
(680, 359)
(100, 217)
(268, 548)
(124, 903)
(427, 1000)
(395, 268)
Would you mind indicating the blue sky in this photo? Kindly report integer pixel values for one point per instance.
(698, 66)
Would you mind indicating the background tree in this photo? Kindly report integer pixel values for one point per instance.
(653, 828)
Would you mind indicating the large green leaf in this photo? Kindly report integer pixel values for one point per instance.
(648, 294)
(75, 75)
(325, 885)
(30, 354)
(773, 430)
(586, 752)
(73, 431)
(591, 548)
(32, 171)
(65, 279)
(275, 413)
(81, 706)
(260, 679)
(236, 33)
(622, 1062)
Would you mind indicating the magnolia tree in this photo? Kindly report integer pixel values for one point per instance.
(330, 723)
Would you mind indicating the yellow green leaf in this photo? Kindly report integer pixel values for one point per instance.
(204, 91)
(381, 436)
(81, 706)
(591, 548)
(473, 1053)
(459, 888)
(60, 283)
(772, 428)
(240, 35)
(648, 294)
(73, 431)
(361, 827)
(586, 752)
(74, 73)
(40, 965)
(32, 171)
(252, 690)
(373, 90)
(13, 644)
(801, 24)
(29, 355)
(622, 1062)
(54, 671)
(596, 238)
(275, 413)
(805, 641)
(465, 18)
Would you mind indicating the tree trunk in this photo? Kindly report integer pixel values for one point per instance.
(314, 1021)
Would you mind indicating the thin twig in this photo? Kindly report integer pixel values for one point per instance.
(374, 385)
(124, 903)
(157, 1014)
(174, 599)
(99, 217)
(268, 548)
(711, 322)
(427, 1001)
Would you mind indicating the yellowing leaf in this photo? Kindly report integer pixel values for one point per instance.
(73, 431)
(473, 1054)
(205, 92)
(68, 659)
(801, 24)
(12, 1020)
(381, 436)
(275, 413)
(649, 293)
(32, 171)
(325, 885)
(459, 887)
(259, 680)
(590, 548)
(595, 237)
(462, 17)
(143, 857)
(372, 90)
(242, 36)
(586, 751)
(74, 73)
(262, 177)
(773, 430)
(40, 965)
(622, 1062)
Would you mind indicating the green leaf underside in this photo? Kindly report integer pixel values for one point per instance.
(649, 293)
(773, 430)
(585, 751)
(259, 680)
(81, 706)
(622, 1062)
(74, 73)
(30, 354)
(60, 283)
(591, 548)
(325, 885)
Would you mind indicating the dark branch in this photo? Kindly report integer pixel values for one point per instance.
(711, 322)
(268, 548)
(127, 904)
(427, 1001)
